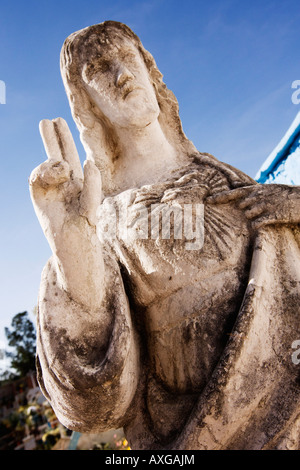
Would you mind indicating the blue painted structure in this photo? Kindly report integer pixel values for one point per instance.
(74, 440)
(283, 164)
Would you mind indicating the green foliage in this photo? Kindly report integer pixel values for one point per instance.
(22, 339)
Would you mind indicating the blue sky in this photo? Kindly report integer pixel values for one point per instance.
(230, 63)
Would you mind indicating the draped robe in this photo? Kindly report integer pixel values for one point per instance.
(198, 354)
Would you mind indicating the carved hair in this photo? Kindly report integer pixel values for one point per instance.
(96, 132)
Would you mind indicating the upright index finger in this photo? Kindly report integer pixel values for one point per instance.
(50, 140)
(68, 147)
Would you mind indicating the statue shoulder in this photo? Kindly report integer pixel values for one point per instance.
(236, 178)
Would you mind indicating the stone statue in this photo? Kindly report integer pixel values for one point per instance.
(185, 347)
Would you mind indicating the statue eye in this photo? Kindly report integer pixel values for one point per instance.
(101, 66)
(129, 57)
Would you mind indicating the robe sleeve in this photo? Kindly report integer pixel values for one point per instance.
(87, 362)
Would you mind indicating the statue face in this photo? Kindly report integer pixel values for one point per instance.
(117, 80)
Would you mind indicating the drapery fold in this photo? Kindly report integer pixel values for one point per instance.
(252, 400)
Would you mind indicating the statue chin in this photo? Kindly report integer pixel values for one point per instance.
(136, 112)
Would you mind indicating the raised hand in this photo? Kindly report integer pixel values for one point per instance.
(65, 199)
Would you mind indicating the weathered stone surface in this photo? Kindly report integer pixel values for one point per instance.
(186, 343)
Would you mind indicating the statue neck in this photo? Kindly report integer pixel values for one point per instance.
(146, 157)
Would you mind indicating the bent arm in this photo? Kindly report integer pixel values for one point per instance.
(88, 362)
(265, 204)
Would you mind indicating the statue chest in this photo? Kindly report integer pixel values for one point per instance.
(185, 265)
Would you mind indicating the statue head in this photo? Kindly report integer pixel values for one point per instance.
(112, 81)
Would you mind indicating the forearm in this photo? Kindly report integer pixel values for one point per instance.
(264, 204)
(277, 204)
(291, 205)
(79, 264)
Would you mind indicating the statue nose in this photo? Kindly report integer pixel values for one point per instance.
(123, 74)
